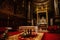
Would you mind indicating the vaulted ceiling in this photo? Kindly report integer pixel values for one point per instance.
(41, 1)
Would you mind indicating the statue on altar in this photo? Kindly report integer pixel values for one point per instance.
(43, 20)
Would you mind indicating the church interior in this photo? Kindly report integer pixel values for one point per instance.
(29, 19)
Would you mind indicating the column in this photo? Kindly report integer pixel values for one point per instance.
(56, 7)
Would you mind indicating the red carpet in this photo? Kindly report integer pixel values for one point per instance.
(51, 36)
(13, 33)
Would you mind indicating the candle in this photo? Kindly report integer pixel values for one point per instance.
(51, 21)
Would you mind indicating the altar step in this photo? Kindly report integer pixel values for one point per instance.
(42, 30)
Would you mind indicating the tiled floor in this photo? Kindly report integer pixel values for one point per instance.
(15, 37)
(40, 36)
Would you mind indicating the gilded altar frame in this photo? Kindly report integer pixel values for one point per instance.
(42, 9)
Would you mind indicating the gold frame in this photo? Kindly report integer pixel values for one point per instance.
(41, 10)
